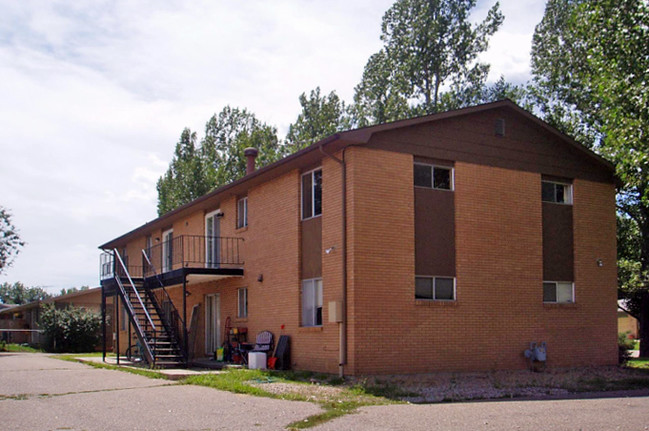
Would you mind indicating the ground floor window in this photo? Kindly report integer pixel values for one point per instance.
(243, 302)
(437, 288)
(312, 302)
(558, 291)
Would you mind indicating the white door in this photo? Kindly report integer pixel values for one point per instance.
(212, 323)
(167, 250)
(212, 241)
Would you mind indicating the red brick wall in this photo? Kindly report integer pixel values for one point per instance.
(499, 307)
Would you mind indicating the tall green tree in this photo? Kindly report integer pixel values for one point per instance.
(10, 242)
(591, 68)
(381, 96)
(197, 169)
(479, 92)
(432, 43)
(321, 116)
(227, 134)
(18, 293)
(186, 179)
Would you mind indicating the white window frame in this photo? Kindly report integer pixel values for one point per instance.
(556, 286)
(432, 178)
(242, 311)
(309, 316)
(242, 221)
(167, 265)
(217, 249)
(567, 192)
(311, 172)
(433, 277)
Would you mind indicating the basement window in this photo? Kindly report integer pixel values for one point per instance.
(312, 194)
(558, 193)
(312, 302)
(435, 288)
(433, 177)
(562, 292)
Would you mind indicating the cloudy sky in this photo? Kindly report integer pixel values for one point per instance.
(94, 95)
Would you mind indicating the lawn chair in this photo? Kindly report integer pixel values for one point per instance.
(264, 343)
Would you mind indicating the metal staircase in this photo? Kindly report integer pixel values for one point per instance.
(154, 328)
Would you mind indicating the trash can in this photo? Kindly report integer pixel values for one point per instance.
(257, 360)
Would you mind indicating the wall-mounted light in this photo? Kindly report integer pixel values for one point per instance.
(219, 214)
(157, 239)
(260, 278)
(329, 250)
(600, 262)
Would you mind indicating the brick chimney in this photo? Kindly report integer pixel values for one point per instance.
(251, 155)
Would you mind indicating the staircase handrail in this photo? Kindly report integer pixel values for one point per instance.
(137, 295)
(138, 329)
(157, 276)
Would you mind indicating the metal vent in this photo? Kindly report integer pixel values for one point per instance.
(500, 127)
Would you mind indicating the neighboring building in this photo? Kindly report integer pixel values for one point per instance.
(27, 316)
(626, 323)
(439, 243)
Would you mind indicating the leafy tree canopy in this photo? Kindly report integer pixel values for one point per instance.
(432, 43)
(382, 94)
(67, 291)
(10, 242)
(195, 170)
(321, 116)
(591, 70)
(17, 293)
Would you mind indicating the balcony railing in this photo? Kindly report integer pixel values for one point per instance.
(184, 251)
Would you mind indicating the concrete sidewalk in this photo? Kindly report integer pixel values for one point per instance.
(168, 373)
(38, 392)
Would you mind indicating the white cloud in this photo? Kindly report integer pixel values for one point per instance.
(96, 93)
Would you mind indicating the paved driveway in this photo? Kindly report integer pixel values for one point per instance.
(604, 414)
(41, 393)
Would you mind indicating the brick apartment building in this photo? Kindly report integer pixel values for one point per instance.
(439, 243)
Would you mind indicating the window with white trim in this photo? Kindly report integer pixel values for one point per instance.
(312, 302)
(242, 212)
(561, 292)
(558, 193)
(435, 288)
(433, 177)
(242, 309)
(312, 194)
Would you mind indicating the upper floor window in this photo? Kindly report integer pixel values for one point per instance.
(312, 194)
(558, 291)
(433, 177)
(560, 193)
(242, 212)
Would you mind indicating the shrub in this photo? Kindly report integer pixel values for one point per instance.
(71, 329)
(624, 346)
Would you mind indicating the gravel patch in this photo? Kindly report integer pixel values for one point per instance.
(437, 387)
(311, 392)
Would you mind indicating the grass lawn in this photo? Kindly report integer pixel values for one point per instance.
(335, 398)
(638, 363)
(17, 348)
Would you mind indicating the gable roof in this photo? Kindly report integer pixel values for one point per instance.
(313, 153)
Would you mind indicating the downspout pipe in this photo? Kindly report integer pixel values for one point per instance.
(342, 360)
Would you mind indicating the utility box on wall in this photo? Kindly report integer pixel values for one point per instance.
(335, 311)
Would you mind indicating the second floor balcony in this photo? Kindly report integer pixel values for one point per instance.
(196, 257)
